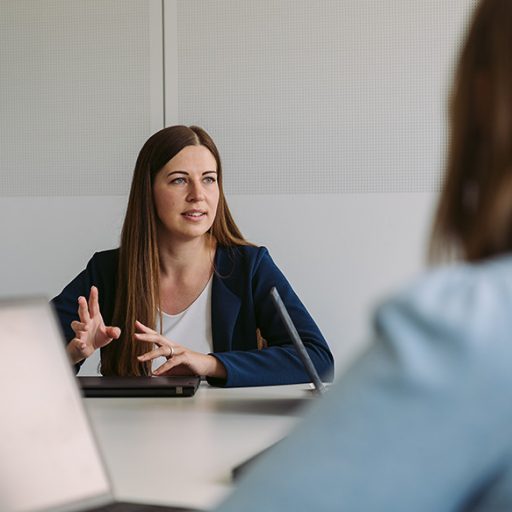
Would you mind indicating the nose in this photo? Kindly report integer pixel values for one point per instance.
(195, 191)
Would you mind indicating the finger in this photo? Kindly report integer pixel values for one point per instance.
(113, 332)
(94, 305)
(141, 327)
(169, 365)
(79, 326)
(181, 370)
(83, 311)
(152, 354)
(82, 335)
(150, 338)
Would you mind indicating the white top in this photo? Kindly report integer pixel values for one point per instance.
(191, 328)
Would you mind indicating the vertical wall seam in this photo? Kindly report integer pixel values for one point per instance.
(164, 106)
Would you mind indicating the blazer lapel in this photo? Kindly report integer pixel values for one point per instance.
(225, 302)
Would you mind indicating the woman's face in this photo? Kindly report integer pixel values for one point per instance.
(186, 194)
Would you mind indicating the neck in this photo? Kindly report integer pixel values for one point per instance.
(179, 258)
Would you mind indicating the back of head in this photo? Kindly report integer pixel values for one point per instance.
(474, 216)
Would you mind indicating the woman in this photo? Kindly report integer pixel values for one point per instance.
(423, 421)
(185, 293)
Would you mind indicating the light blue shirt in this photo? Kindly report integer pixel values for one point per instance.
(422, 422)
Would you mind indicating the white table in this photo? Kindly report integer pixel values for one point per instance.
(182, 450)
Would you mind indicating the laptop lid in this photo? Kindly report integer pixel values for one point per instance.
(320, 387)
(297, 342)
(165, 386)
(49, 459)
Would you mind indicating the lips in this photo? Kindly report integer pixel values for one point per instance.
(194, 214)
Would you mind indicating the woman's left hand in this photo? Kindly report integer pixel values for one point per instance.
(180, 360)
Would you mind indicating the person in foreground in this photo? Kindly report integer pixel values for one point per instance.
(423, 421)
(185, 293)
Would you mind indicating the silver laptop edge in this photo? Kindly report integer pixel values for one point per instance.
(297, 341)
(52, 338)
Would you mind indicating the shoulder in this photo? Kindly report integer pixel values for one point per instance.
(242, 252)
(104, 262)
(242, 266)
(462, 310)
(468, 294)
(107, 257)
(240, 257)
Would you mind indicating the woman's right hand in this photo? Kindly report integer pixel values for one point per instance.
(91, 332)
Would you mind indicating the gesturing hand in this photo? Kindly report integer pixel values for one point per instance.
(90, 332)
(180, 360)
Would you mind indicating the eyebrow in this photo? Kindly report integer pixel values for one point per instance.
(186, 173)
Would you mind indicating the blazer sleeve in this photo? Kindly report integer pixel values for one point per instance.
(278, 362)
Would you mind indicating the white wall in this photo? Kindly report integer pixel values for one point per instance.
(46, 241)
(341, 253)
(343, 241)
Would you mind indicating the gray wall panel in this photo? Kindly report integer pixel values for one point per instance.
(75, 94)
(321, 96)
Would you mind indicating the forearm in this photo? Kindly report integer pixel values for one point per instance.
(271, 366)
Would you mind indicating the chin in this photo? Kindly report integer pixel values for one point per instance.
(190, 235)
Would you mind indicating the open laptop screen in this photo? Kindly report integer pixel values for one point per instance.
(45, 462)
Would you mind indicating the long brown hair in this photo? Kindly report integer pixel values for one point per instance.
(138, 295)
(474, 214)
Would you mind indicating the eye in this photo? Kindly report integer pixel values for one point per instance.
(209, 179)
(178, 181)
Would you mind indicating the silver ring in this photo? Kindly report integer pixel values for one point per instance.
(171, 353)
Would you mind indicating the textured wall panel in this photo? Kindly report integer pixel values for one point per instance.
(321, 96)
(75, 95)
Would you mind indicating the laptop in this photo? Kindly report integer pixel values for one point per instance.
(138, 386)
(49, 458)
(318, 386)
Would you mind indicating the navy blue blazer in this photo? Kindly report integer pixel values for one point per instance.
(241, 304)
